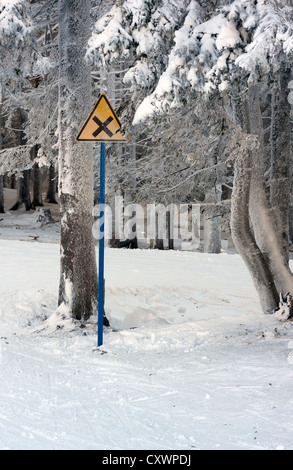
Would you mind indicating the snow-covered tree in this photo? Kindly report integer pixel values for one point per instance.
(78, 277)
(47, 96)
(15, 34)
(246, 42)
(160, 160)
(266, 59)
(23, 59)
(219, 53)
(15, 25)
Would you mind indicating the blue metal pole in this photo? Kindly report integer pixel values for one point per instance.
(101, 244)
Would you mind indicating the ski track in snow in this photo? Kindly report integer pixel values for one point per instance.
(190, 363)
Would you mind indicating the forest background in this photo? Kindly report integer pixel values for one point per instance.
(203, 89)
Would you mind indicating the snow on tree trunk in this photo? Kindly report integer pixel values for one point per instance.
(78, 291)
(266, 233)
(212, 233)
(280, 159)
(242, 236)
(212, 224)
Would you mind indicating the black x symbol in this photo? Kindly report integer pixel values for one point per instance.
(103, 126)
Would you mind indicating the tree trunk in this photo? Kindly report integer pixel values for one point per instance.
(265, 229)
(170, 234)
(51, 193)
(23, 192)
(280, 159)
(78, 290)
(242, 236)
(37, 186)
(23, 186)
(212, 221)
(12, 182)
(212, 232)
(130, 227)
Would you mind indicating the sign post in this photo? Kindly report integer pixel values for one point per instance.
(102, 126)
(101, 293)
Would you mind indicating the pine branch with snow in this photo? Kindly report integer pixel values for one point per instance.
(15, 24)
(178, 54)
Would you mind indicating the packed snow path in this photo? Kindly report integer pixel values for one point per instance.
(190, 361)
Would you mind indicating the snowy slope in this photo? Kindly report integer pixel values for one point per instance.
(190, 361)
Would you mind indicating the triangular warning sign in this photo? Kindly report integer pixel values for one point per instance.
(102, 125)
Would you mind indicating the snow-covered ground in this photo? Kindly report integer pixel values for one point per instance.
(189, 363)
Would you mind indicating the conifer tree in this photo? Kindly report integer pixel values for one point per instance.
(219, 53)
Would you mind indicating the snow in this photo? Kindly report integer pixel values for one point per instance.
(144, 110)
(228, 36)
(190, 362)
(15, 25)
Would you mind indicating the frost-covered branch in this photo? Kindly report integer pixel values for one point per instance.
(15, 160)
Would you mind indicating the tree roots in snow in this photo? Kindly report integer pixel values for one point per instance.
(285, 310)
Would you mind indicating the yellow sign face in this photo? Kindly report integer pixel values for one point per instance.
(102, 124)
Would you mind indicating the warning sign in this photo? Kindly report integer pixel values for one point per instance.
(102, 124)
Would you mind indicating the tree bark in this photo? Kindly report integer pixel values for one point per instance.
(212, 221)
(78, 290)
(280, 159)
(51, 193)
(37, 186)
(23, 184)
(242, 236)
(266, 233)
(23, 192)
(212, 232)
(264, 228)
